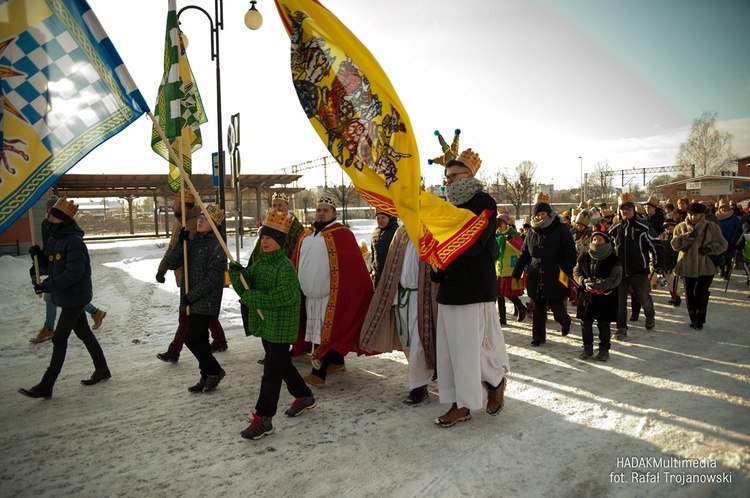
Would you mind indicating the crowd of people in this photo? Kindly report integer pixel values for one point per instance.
(311, 291)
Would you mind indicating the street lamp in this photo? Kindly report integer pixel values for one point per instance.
(581, 158)
(253, 20)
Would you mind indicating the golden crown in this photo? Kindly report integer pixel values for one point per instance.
(327, 200)
(541, 197)
(281, 195)
(471, 160)
(279, 221)
(66, 207)
(449, 152)
(625, 198)
(215, 212)
(189, 196)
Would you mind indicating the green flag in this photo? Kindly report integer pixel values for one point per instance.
(179, 110)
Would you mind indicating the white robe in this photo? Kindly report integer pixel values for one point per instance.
(407, 314)
(315, 280)
(463, 360)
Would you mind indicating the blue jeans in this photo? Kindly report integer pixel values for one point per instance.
(51, 315)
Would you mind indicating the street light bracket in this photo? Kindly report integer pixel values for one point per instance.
(214, 28)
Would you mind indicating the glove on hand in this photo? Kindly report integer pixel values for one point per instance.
(235, 266)
(160, 277)
(38, 289)
(36, 251)
(188, 302)
(184, 235)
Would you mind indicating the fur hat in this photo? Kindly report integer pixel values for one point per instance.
(626, 198)
(469, 159)
(51, 202)
(64, 209)
(189, 196)
(216, 213)
(449, 153)
(280, 195)
(327, 200)
(653, 201)
(696, 207)
(276, 225)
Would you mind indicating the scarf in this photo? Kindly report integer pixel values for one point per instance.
(600, 251)
(724, 216)
(461, 191)
(545, 222)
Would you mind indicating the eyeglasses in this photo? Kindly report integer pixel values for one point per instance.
(626, 208)
(453, 176)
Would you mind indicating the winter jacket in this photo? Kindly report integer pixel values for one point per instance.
(381, 241)
(509, 246)
(608, 273)
(670, 254)
(545, 252)
(657, 221)
(470, 278)
(66, 261)
(634, 241)
(273, 298)
(206, 265)
(728, 227)
(690, 262)
(742, 227)
(191, 225)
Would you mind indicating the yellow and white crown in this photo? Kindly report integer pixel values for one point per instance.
(279, 221)
(327, 200)
(281, 195)
(541, 197)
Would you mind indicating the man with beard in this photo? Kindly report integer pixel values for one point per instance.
(172, 355)
(471, 356)
(336, 292)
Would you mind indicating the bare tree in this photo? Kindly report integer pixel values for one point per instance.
(345, 196)
(519, 187)
(707, 147)
(601, 181)
(492, 181)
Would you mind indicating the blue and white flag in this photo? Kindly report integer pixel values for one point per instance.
(65, 90)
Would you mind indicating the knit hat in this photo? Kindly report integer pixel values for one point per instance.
(280, 195)
(276, 225)
(64, 209)
(51, 202)
(696, 207)
(652, 201)
(669, 222)
(449, 153)
(467, 158)
(505, 217)
(216, 213)
(607, 238)
(189, 196)
(626, 198)
(542, 206)
(327, 200)
(383, 213)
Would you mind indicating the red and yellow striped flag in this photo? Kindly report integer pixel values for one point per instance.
(353, 107)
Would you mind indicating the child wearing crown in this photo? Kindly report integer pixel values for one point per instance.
(271, 311)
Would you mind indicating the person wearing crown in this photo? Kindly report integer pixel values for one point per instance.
(272, 300)
(548, 256)
(636, 244)
(65, 259)
(219, 344)
(336, 292)
(201, 303)
(471, 356)
(280, 202)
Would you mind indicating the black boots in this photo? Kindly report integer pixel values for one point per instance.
(588, 352)
(99, 375)
(38, 391)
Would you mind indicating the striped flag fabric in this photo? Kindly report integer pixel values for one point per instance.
(355, 110)
(179, 109)
(65, 90)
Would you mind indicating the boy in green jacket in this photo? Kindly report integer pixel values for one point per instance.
(273, 307)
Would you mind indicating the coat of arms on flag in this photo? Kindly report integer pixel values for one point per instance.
(64, 89)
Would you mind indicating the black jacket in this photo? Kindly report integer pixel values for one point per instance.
(206, 265)
(470, 278)
(634, 240)
(657, 221)
(381, 241)
(66, 261)
(545, 252)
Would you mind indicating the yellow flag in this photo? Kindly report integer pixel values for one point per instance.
(355, 110)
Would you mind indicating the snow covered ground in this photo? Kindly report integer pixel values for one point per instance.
(666, 399)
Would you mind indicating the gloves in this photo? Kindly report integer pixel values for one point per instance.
(590, 284)
(704, 250)
(693, 234)
(235, 266)
(188, 302)
(38, 289)
(36, 251)
(184, 235)
(160, 277)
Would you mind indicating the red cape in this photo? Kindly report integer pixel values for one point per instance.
(351, 293)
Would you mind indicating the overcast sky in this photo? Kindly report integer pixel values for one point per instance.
(540, 80)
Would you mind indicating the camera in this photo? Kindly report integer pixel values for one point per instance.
(662, 281)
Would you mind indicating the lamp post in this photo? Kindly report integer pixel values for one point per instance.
(581, 193)
(253, 20)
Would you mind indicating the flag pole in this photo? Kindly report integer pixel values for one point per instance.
(183, 175)
(185, 271)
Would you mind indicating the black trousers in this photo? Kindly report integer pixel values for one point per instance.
(196, 340)
(539, 323)
(605, 334)
(330, 358)
(278, 367)
(696, 293)
(71, 319)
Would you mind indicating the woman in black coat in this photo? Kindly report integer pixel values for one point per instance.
(548, 256)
